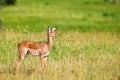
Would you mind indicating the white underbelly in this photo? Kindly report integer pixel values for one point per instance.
(35, 54)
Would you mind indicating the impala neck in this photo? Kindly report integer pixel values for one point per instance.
(49, 41)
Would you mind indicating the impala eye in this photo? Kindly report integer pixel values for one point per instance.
(51, 32)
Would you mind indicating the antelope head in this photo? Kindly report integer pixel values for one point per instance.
(51, 32)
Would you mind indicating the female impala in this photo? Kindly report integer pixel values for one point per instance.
(34, 48)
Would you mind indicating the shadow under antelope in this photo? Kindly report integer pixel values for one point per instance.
(36, 48)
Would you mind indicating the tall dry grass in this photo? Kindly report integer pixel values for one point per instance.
(74, 56)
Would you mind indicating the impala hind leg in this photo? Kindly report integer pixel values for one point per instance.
(22, 55)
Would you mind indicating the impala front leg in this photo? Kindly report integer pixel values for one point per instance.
(45, 61)
(42, 63)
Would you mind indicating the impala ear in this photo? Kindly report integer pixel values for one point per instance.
(54, 28)
(49, 28)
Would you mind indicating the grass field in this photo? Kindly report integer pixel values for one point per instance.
(88, 46)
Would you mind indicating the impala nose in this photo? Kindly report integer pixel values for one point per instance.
(57, 36)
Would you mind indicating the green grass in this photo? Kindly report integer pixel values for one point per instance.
(66, 15)
(79, 56)
(88, 46)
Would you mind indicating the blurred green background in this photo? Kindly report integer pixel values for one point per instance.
(66, 15)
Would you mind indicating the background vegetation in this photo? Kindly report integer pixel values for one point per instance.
(88, 46)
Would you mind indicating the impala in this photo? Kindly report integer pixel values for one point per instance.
(36, 48)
